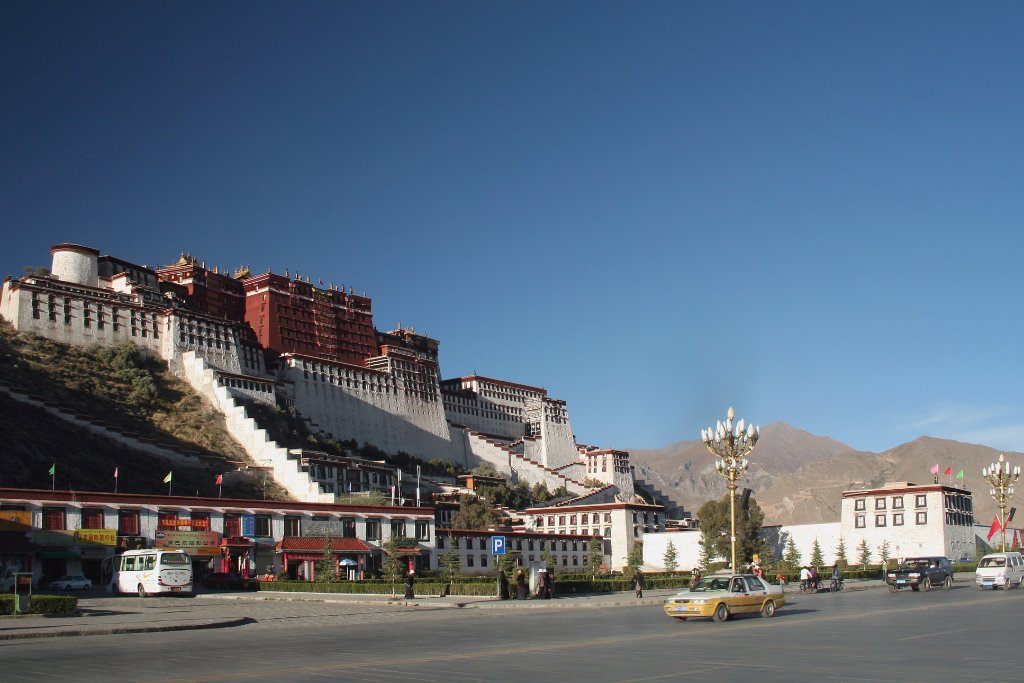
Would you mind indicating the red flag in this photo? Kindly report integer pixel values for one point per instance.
(949, 470)
(993, 529)
(219, 480)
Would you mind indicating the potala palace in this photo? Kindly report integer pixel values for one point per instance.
(280, 340)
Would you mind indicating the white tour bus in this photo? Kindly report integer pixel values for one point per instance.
(146, 572)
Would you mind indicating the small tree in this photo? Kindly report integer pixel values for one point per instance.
(325, 569)
(671, 559)
(863, 554)
(792, 555)
(816, 557)
(884, 553)
(707, 550)
(506, 563)
(595, 556)
(633, 561)
(450, 565)
(841, 554)
(392, 568)
(549, 559)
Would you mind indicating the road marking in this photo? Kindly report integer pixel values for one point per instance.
(939, 633)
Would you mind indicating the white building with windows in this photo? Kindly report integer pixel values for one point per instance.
(527, 549)
(930, 519)
(620, 525)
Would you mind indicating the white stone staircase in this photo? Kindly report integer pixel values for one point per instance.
(503, 456)
(244, 429)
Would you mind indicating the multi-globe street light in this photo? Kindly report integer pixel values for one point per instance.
(731, 445)
(1001, 477)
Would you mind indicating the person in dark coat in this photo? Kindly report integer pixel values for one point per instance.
(502, 585)
(521, 591)
(638, 583)
(549, 585)
(409, 581)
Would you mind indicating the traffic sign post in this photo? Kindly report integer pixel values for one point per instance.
(497, 548)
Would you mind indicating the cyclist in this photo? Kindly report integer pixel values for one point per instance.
(837, 577)
(805, 578)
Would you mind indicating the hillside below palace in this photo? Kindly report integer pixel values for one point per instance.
(282, 341)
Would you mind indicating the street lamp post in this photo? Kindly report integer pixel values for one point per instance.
(1001, 477)
(731, 445)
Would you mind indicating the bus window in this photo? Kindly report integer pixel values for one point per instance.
(129, 564)
(150, 561)
(175, 559)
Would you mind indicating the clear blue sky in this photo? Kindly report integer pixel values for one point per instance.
(812, 211)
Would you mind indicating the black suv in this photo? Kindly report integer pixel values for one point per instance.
(921, 573)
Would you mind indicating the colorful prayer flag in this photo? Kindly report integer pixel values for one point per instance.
(115, 472)
(167, 479)
(219, 480)
(935, 469)
(960, 474)
(52, 470)
(949, 470)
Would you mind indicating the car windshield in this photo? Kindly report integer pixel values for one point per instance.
(916, 564)
(711, 583)
(174, 558)
(993, 562)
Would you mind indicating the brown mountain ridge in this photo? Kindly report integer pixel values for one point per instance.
(798, 477)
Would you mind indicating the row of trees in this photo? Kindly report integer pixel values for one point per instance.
(793, 558)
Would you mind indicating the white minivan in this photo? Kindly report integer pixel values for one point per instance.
(1000, 570)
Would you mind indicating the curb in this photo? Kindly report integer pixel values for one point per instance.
(68, 633)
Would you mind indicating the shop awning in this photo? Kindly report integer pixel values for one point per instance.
(303, 557)
(58, 555)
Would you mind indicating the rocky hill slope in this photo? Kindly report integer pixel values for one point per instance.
(48, 391)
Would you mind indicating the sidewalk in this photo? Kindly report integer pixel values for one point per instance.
(100, 616)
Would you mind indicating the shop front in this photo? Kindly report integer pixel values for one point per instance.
(349, 557)
(204, 547)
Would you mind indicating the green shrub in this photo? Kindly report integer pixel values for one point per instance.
(41, 604)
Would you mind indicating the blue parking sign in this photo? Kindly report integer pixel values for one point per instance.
(497, 545)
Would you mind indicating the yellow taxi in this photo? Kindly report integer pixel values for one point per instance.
(720, 596)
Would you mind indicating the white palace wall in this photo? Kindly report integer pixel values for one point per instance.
(368, 406)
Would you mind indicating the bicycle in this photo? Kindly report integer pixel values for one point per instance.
(836, 586)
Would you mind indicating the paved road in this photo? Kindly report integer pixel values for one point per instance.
(957, 635)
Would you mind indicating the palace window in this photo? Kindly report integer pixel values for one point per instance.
(921, 500)
(128, 522)
(54, 519)
(859, 521)
(373, 530)
(897, 519)
(879, 520)
(897, 502)
(879, 503)
(859, 504)
(922, 518)
(233, 525)
(262, 526)
(92, 518)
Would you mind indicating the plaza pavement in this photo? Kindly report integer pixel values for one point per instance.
(108, 616)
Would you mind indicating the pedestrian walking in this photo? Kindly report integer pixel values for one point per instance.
(520, 585)
(409, 582)
(638, 583)
(502, 585)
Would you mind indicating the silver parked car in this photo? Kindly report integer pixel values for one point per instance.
(71, 582)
